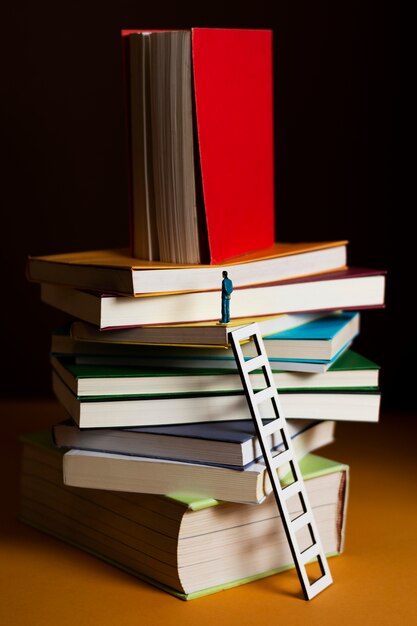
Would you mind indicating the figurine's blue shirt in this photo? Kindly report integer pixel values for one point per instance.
(227, 286)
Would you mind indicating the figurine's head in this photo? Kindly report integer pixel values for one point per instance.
(224, 274)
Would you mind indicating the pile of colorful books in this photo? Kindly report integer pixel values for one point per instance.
(157, 468)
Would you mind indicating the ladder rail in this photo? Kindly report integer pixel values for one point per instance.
(274, 461)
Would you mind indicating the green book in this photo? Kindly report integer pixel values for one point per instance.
(187, 546)
(351, 370)
(127, 411)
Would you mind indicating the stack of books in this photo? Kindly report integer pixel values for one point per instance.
(157, 468)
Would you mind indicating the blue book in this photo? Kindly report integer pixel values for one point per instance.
(322, 339)
(230, 444)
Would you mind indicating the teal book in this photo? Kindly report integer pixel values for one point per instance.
(321, 339)
(311, 346)
(187, 546)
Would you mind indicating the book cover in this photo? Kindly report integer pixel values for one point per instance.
(322, 338)
(233, 81)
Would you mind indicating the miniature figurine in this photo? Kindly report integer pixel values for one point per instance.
(227, 288)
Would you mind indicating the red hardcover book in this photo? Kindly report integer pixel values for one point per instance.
(232, 108)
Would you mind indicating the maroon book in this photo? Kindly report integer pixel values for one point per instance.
(353, 288)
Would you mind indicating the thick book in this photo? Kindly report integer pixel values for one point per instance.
(350, 370)
(200, 135)
(128, 411)
(353, 288)
(229, 444)
(117, 272)
(189, 547)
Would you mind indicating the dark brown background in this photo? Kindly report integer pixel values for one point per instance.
(337, 152)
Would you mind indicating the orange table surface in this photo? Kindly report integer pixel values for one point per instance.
(45, 581)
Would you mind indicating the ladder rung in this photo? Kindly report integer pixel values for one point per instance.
(310, 553)
(264, 394)
(272, 427)
(244, 333)
(283, 457)
(255, 363)
(300, 521)
(318, 585)
(291, 490)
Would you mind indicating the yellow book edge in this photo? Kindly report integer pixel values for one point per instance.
(120, 257)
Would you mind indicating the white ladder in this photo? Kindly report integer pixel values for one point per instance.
(283, 493)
